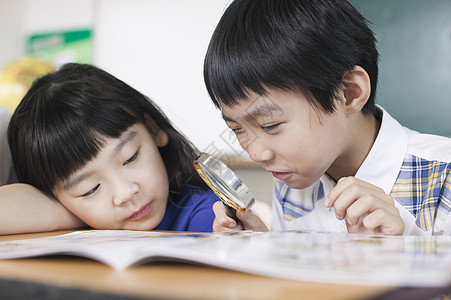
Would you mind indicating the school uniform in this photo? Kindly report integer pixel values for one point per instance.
(192, 211)
(414, 168)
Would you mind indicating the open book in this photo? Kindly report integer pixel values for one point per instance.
(307, 256)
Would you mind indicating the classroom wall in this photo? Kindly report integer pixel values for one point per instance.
(414, 41)
(12, 41)
(20, 18)
(53, 15)
(159, 47)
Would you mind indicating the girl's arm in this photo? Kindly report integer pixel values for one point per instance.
(23, 209)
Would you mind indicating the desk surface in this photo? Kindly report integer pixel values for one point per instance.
(66, 275)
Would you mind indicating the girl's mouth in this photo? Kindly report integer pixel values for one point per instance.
(140, 213)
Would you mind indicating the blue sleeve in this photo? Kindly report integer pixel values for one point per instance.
(202, 216)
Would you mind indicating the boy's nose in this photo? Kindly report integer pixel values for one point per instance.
(125, 191)
(259, 152)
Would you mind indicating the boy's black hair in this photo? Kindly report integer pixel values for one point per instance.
(294, 45)
(62, 121)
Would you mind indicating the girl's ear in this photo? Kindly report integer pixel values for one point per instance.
(159, 136)
(356, 89)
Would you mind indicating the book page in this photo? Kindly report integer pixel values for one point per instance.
(307, 256)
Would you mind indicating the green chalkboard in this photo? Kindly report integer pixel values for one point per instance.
(414, 42)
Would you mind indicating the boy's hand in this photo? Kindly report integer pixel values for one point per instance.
(248, 220)
(365, 208)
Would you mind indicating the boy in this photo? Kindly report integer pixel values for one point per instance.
(296, 81)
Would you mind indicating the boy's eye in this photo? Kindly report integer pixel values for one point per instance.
(91, 191)
(236, 130)
(271, 128)
(131, 159)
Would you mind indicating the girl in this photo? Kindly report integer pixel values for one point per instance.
(106, 153)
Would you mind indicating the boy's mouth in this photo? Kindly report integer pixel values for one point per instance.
(280, 175)
(142, 212)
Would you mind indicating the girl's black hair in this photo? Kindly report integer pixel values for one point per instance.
(293, 45)
(62, 121)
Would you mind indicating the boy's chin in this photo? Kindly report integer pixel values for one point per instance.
(298, 184)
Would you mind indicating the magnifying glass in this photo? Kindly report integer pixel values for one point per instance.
(225, 183)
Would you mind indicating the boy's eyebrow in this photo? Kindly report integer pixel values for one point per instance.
(260, 111)
(123, 140)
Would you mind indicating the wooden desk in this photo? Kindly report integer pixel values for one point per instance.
(65, 277)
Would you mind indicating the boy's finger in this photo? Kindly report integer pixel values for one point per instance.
(369, 203)
(374, 219)
(346, 184)
(385, 222)
(362, 206)
(344, 201)
(337, 190)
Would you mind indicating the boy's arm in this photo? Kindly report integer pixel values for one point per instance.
(24, 209)
(248, 220)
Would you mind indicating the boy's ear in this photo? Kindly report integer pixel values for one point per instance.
(356, 89)
(159, 136)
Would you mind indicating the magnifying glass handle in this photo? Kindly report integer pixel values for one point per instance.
(231, 212)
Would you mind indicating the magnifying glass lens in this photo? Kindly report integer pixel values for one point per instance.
(224, 182)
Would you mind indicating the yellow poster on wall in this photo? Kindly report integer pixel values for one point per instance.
(17, 77)
(44, 53)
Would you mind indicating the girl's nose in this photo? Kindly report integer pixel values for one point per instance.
(124, 191)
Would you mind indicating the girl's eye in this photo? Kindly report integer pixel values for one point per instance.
(271, 128)
(91, 191)
(131, 159)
